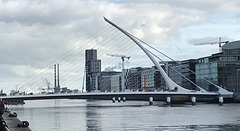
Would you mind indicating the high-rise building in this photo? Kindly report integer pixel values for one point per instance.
(93, 65)
(93, 69)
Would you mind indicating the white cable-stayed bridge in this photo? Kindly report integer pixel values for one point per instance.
(70, 74)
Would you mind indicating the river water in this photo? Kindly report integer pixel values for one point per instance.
(103, 115)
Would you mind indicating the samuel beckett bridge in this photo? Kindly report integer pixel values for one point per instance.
(174, 92)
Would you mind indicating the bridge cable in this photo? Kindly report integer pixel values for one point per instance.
(178, 72)
(74, 77)
(36, 74)
(172, 59)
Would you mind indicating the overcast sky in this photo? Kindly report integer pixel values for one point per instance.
(33, 32)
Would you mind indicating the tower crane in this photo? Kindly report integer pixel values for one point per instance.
(220, 42)
(124, 74)
(48, 86)
(122, 57)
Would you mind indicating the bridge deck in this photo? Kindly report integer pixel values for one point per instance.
(110, 95)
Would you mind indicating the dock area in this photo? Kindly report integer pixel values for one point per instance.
(14, 124)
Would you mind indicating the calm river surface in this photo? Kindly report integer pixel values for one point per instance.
(102, 115)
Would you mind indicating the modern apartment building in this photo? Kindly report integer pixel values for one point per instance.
(93, 69)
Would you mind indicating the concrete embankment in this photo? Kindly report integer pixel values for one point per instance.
(13, 123)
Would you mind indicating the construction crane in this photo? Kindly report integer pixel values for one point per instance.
(48, 86)
(124, 74)
(211, 43)
(122, 57)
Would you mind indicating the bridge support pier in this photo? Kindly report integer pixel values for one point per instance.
(119, 99)
(193, 100)
(168, 100)
(220, 100)
(113, 99)
(150, 100)
(124, 99)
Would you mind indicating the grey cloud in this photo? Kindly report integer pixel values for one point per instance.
(210, 5)
(35, 32)
(47, 27)
(44, 12)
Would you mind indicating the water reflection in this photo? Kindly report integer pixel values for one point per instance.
(75, 115)
(57, 115)
(228, 127)
(93, 118)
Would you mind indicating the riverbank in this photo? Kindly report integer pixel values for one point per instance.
(13, 123)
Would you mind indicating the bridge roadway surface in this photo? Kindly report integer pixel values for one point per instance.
(157, 96)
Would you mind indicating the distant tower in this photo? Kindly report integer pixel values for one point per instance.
(58, 86)
(93, 69)
(56, 79)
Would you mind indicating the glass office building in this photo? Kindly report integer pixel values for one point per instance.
(220, 68)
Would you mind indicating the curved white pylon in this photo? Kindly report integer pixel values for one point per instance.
(172, 85)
